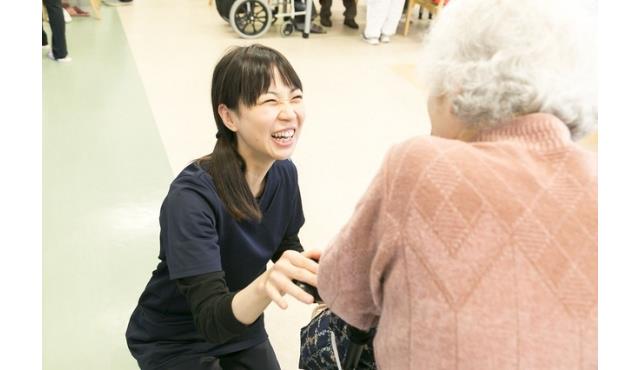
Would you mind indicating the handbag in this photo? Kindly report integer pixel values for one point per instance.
(325, 341)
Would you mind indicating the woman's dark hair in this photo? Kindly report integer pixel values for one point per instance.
(241, 76)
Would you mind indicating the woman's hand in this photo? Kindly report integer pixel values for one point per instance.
(277, 281)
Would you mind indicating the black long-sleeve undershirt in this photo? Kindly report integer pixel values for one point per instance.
(288, 243)
(210, 299)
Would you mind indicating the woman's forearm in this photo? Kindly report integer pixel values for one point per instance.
(249, 303)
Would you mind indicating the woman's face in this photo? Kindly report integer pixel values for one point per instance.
(270, 129)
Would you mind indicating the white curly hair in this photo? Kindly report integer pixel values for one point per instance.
(496, 59)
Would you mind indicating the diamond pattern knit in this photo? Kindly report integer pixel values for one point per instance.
(478, 255)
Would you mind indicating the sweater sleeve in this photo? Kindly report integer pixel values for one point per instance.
(210, 302)
(348, 275)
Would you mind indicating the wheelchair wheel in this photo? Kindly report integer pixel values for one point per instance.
(223, 7)
(250, 18)
(286, 29)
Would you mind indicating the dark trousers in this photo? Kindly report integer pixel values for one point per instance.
(299, 5)
(260, 357)
(350, 8)
(56, 21)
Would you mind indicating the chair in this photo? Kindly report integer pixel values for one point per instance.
(432, 6)
(95, 6)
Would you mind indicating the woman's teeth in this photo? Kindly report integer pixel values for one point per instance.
(284, 135)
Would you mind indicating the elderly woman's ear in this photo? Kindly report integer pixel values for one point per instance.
(444, 123)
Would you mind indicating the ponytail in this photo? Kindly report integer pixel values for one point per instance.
(226, 167)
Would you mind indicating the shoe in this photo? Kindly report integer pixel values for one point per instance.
(326, 22)
(79, 12)
(385, 39)
(66, 15)
(371, 40)
(351, 23)
(67, 8)
(314, 28)
(61, 60)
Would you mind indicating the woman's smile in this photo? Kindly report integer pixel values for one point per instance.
(284, 138)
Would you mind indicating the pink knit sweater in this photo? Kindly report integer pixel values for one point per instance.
(477, 255)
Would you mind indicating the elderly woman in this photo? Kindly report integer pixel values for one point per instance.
(476, 247)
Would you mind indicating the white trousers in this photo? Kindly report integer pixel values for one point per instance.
(383, 17)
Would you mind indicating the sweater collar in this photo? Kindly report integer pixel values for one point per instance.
(538, 130)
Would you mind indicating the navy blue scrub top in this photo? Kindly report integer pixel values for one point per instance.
(199, 236)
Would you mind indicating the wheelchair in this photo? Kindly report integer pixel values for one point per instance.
(252, 18)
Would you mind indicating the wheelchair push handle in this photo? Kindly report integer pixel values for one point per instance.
(313, 291)
(357, 340)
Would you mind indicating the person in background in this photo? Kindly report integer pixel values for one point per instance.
(58, 51)
(383, 17)
(225, 216)
(300, 5)
(350, 11)
(476, 247)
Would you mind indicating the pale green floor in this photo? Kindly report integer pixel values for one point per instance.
(105, 173)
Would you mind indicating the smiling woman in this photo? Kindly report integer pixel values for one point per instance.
(255, 94)
(265, 130)
(226, 215)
